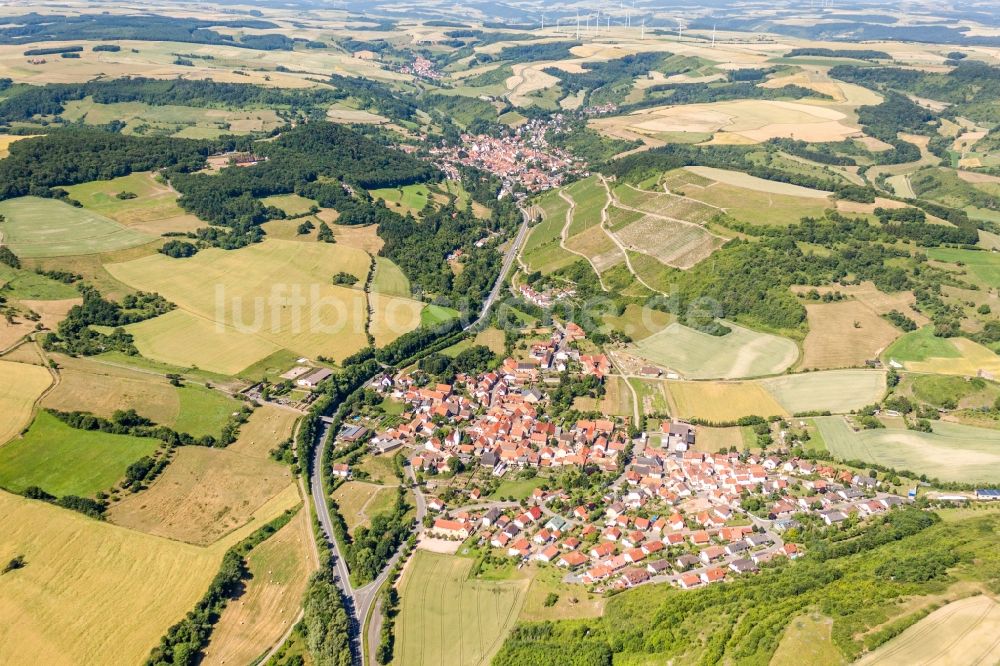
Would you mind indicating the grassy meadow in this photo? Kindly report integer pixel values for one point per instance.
(65, 461)
(389, 279)
(25, 284)
(922, 351)
(290, 204)
(203, 411)
(360, 501)
(153, 200)
(407, 199)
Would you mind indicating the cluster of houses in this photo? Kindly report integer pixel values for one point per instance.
(421, 67)
(544, 299)
(522, 157)
(496, 425)
(497, 419)
(675, 516)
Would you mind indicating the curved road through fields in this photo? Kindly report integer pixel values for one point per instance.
(358, 602)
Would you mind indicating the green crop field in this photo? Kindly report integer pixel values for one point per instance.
(65, 461)
(446, 618)
(590, 197)
(983, 267)
(389, 279)
(37, 227)
(32, 286)
(837, 391)
(407, 199)
(436, 314)
(952, 452)
(696, 355)
(542, 251)
(922, 351)
(203, 411)
(921, 345)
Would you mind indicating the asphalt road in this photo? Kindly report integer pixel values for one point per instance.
(508, 261)
(359, 601)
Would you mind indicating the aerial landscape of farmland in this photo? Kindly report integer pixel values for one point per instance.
(416, 333)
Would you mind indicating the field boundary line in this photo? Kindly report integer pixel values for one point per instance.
(614, 238)
(563, 237)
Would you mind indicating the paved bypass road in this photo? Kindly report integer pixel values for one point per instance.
(358, 601)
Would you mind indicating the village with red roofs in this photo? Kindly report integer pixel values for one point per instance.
(610, 505)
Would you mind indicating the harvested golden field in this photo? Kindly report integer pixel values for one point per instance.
(962, 633)
(721, 401)
(268, 426)
(186, 340)
(91, 592)
(279, 570)
(6, 140)
(836, 391)
(745, 180)
(203, 494)
(617, 400)
(844, 335)
(527, 79)
(237, 307)
(874, 299)
(20, 386)
(393, 316)
(741, 121)
(712, 440)
(342, 114)
(96, 593)
(25, 353)
(91, 386)
(50, 314)
(359, 237)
